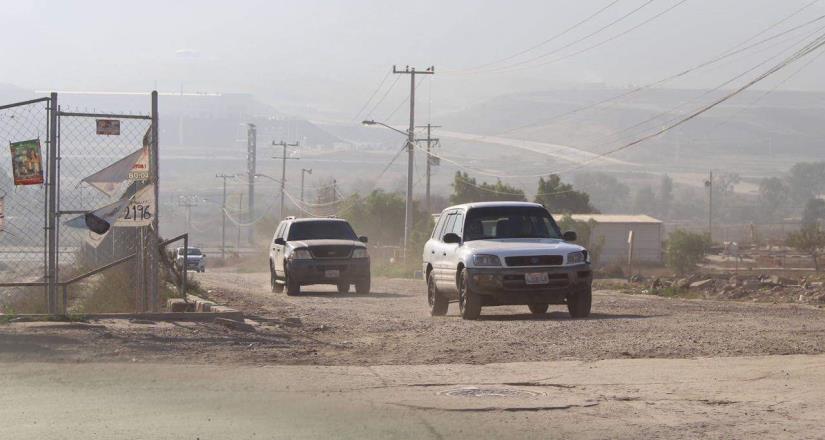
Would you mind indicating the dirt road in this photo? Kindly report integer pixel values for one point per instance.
(324, 365)
(764, 397)
(391, 326)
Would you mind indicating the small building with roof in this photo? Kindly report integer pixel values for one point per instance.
(612, 232)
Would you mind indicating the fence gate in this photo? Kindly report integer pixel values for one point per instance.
(112, 272)
(23, 214)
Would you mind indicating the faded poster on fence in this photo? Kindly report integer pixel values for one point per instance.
(27, 162)
(141, 209)
(109, 179)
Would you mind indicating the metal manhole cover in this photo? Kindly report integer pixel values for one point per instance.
(489, 392)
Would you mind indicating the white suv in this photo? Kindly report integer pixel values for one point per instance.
(504, 253)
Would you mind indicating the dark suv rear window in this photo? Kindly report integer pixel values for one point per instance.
(321, 230)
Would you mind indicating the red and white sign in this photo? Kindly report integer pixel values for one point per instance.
(108, 127)
(140, 170)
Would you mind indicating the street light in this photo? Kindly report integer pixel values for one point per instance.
(410, 134)
(266, 176)
(370, 122)
(304, 171)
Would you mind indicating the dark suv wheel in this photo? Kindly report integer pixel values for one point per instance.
(293, 287)
(363, 287)
(438, 303)
(538, 309)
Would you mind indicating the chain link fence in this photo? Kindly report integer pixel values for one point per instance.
(67, 268)
(83, 152)
(23, 221)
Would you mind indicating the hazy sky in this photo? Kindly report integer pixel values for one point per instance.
(330, 55)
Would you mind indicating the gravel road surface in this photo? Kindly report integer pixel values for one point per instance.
(392, 326)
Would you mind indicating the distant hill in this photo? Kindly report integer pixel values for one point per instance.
(785, 125)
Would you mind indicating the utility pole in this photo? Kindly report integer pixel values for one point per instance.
(251, 158)
(240, 209)
(709, 185)
(408, 219)
(304, 171)
(335, 196)
(188, 202)
(430, 160)
(223, 213)
(283, 171)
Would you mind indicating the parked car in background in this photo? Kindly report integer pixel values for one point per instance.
(504, 253)
(195, 259)
(318, 251)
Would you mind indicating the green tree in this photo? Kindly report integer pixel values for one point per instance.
(467, 190)
(684, 250)
(561, 197)
(380, 216)
(605, 190)
(806, 180)
(645, 201)
(773, 195)
(814, 212)
(810, 240)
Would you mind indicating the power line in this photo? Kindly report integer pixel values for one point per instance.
(401, 104)
(544, 42)
(392, 86)
(375, 92)
(575, 42)
(733, 51)
(615, 136)
(809, 48)
(591, 47)
(768, 92)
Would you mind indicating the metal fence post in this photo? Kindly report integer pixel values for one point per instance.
(155, 234)
(52, 210)
(185, 262)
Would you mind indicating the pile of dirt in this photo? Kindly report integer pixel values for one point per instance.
(757, 288)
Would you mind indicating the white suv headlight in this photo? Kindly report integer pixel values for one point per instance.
(576, 257)
(301, 254)
(486, 260)
(360, 253)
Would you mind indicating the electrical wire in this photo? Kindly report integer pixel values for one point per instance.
(401, 104)
(372, 96)
(575, 42)
(617, 135)
(516, 67)
(383, 97)
(733, 51)
(808, 49)
(800, 53)
(542, 43)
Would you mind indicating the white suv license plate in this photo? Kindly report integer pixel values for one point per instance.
(536, 278)
(332, 273)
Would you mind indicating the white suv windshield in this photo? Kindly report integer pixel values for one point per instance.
(509, 222)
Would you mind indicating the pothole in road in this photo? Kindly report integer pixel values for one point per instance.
(489, 392)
